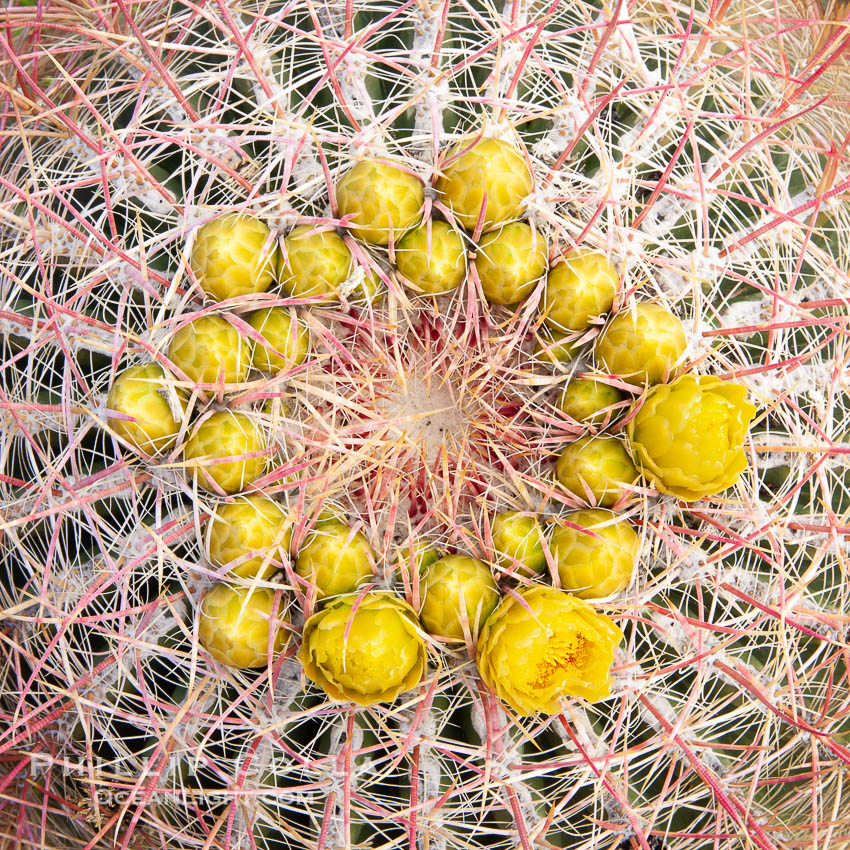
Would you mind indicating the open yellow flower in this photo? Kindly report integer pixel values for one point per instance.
(688, 436)
(365, 649)
(547, 646)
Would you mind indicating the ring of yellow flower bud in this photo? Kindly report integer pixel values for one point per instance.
(598, 557)
(548, 645)
(384, 201)
(234, 255)
(222, 436)
(143, 391)
(286, 339)
(210, 351)
(433, 263)
(579, 288)
(366, 649)
(518, 538)
(586, 400)
(510, 261)
(252, 534)
(314, 263)
(490, 167)
(641, 346)
(600, 465)
(688, 436)
(458, 593)
(335, 558)
(236, 625)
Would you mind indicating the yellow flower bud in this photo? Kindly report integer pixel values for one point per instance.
(314, 263)
(216, 451)
(434, 268)
(490, 167)
(597, 558)
(510, 261)
(367, 654)
(335, 558)
(518, 538)
(586, 400)
(287, 339)
(234, 255)
(688, 436)
(419, 553)
(142, 391)
(238, 623)
(457, 591)
(579, 288)
(253, 534)
(385, 201)
(210, 350)
(600, 465)
(551, 645)
(641, 346)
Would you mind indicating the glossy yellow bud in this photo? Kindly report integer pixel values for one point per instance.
(598, 557)
(234, 255)
(510, 261)
(436, 268)
(384, 201)
(554, 348)
(335, 558)
(367, 654)
(456, 591)
(600, 465)
(143, 392)
(314, 263)
(251, 535)
(586, 400)
(210, 350)
(551, 645)
(237, 624)
(579, 288)
(492, 168)
(688, 436)
(642, 346)
(286, 339)
(417, 554)
(216, 452)
(518, 538)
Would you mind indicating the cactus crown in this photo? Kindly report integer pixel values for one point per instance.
(706, 160)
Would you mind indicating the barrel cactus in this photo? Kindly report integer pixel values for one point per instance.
(169, 172)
